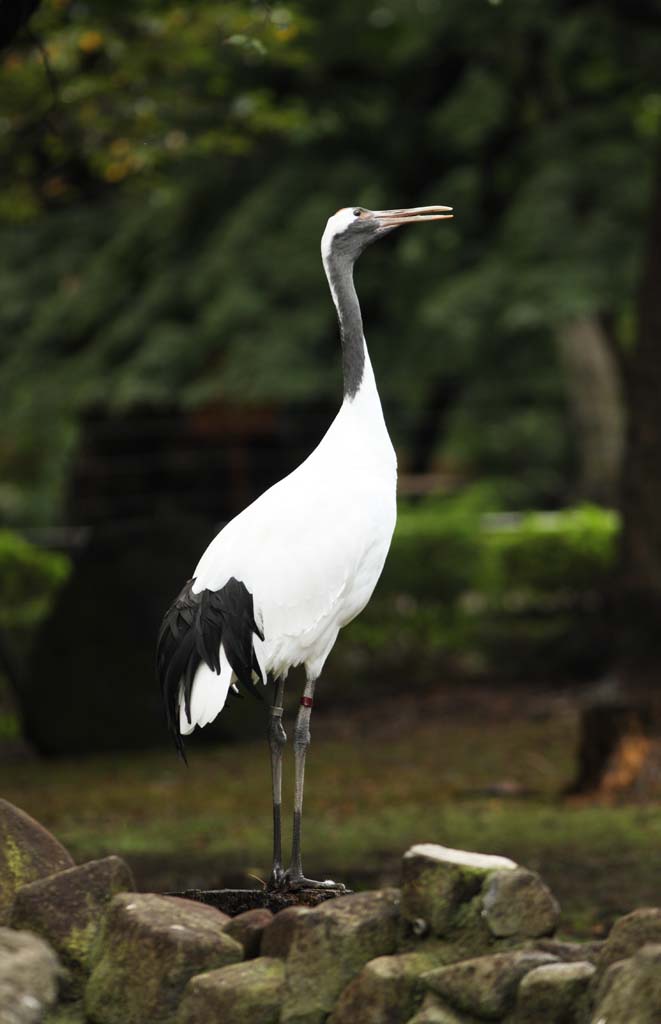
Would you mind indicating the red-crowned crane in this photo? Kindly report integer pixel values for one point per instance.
(276, 585)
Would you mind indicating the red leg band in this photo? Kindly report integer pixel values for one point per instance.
(307, 702)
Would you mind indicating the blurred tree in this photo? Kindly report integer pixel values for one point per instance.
(14, 14)
(210, 145)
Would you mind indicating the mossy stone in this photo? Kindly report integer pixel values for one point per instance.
(554, 992)
(150, 947)
(250, 992)
(247, 929)
(278, 936)
(437, 880)
(630, 990)
(435, 1010)
(330, 946)
(29, 972)
(387, 991)
(67, 909)
(485, 986)
(518, 903)
(629, 934)
(27, 852)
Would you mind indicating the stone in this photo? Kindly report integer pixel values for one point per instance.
(629, 934)
(29, 973)
(554, 992)
(330, 945)
(250, 991)
(569, 952)
(27, 852)
(437, 880)
(485, 986)
(387, 991)
(67, 910)
(435, 1011)
(150, 947)
(278, 935)
(630, 990)
(518, 903)
(247, 929)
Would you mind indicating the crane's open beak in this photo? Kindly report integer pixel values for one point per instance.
(395, 218)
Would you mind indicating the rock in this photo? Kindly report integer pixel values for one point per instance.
(554, 992)
(28, 977)
(247, 929)
(330, 945)
(67, 910)
(27, 852)
(486, 985)
(630, 991)
(387, 991)
(151, 946)
(629, 934)
(569, 952)
(251, 991)
(436, 880)
(435, 1011)
(518, 903)
(278, 935)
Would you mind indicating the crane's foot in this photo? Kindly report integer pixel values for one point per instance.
(293, 883)
(277, 881)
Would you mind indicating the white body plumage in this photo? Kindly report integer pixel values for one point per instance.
(310, 550)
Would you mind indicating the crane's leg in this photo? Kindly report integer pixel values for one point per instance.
(277, 740)
(295, 879)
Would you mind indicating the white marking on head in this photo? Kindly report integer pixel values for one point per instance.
(338, 223)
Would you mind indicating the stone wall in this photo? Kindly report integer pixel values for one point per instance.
(466, 938)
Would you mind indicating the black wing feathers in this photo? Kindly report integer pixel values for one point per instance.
(191, 633)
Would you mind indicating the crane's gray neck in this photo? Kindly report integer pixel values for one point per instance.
(339, 270)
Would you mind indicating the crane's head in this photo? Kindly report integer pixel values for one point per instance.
(352, 229)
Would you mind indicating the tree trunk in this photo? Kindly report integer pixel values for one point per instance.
(594, 393)
(621, 747)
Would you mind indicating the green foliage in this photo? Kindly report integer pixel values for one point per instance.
(518, 595)
(180, 184)
(549, 555)
(29, 579)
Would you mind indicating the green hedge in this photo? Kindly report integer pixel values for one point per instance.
(517, 594)
(29, 578)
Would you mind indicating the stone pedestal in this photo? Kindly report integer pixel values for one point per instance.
(237, 901)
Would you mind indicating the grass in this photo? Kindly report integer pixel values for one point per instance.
(423, 770)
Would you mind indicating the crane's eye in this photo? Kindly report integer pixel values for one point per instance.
(358, 212)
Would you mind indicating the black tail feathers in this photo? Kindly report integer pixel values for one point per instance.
(191, 633)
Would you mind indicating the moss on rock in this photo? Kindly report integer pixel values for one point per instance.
(629, 934)
(630, 991)
(387, 991)
(554, 992)
(151, 946)
(485, 986)
(436, 881)
(67, 909)
(518, 903)
(278, 936)
(330, 946)
(250, 992)
(27, 852)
